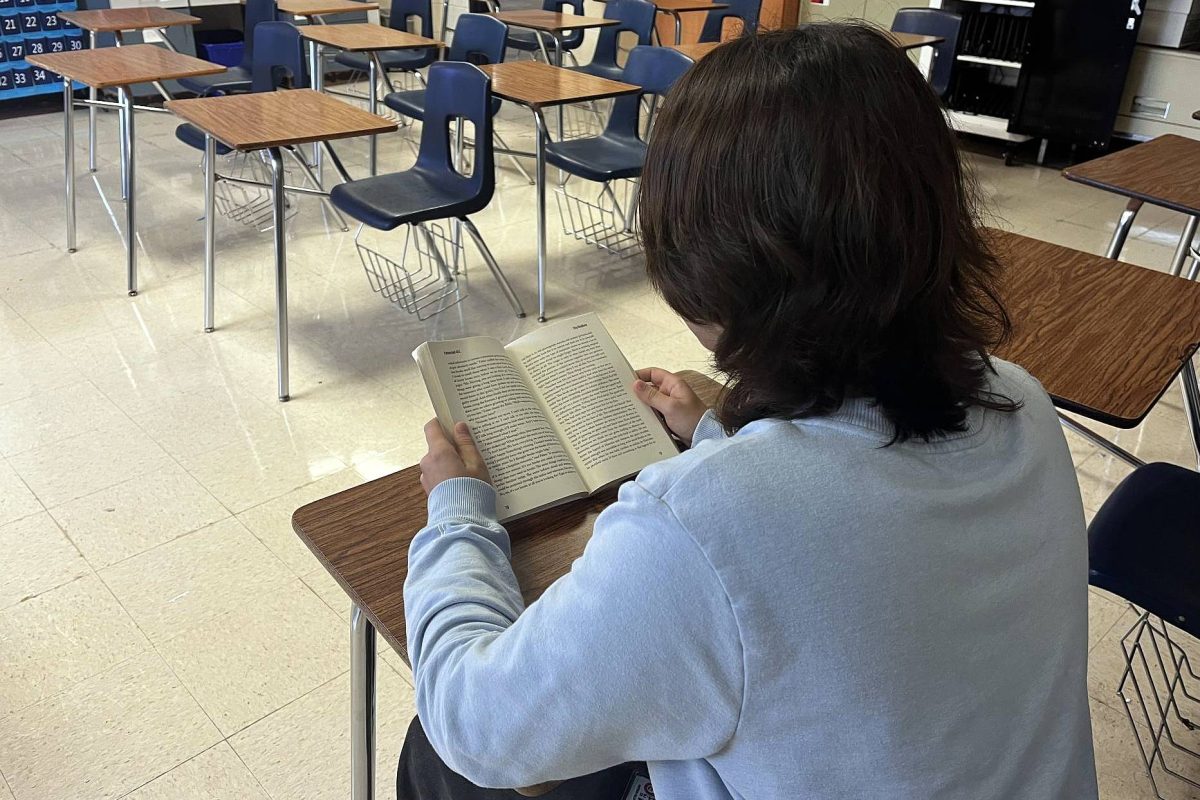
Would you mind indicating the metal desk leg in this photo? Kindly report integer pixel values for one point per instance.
(210, 231)
(445, 19)
(281, 316)
(362, 706)
(69, 160)
(1122, 232)
(540, 178)
(678, 27)
(124, 154)
(1191, 403)
(92, 95)
(317, 73)
(558, 62)
(373, 70)
(1184, 245)
(131, 198)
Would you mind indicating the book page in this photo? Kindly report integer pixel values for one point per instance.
(585, 384)
(481, 386)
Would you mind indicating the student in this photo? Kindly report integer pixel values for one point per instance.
(867, 578)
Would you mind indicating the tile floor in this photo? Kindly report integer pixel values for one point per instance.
(163, 634)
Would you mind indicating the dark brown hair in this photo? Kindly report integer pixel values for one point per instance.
(803, 192)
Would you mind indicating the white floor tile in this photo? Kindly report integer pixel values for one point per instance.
(215, 774)
(51, 642)
(37, 557)
(105, 736)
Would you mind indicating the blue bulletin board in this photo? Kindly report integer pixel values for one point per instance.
(30, 27)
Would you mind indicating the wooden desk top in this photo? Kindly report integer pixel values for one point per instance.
(911, 41)
(1105, 338)
(362, 535)
(276, 119)
(551, 21)
(696, 50)
(127, 19)
(534, 84)
(108, 67)
(1163, 171)
(361, 37)
(319, 8)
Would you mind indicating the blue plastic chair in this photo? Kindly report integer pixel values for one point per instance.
(634, 16)
(526, 40)
(278, 60)
(238, 78)
(478, 39)
(400, 60)
(745, 10)
(933, 22)
(620, 152)
(432, 189)
(1144, 544)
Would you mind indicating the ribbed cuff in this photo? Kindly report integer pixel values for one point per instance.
(462, 499)
(707, 428)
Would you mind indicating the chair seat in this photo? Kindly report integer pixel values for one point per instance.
(1142, 543)
(412, 103)
(392, 60)
(191, 135)
(601, 158)
(388, 201)
(234, 79)
(610, 71)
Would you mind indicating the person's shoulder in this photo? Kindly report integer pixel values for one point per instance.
(1013, 382)
(714, 463)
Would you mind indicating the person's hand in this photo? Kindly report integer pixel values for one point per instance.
(447, 459)
(670, 396)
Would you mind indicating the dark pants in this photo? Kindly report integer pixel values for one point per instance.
(421, 775)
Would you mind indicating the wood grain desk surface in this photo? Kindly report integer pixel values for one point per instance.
(127, 19)
(107, 67)
(551, 21)
(357, 37)
(318, 8)
(1105, 338)
(534, 84)
(911, 41)
(1163, 171)
(276, 119)
(362, 535)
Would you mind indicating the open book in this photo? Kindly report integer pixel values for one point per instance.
(553, 413)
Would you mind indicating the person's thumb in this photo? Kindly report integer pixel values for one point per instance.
(465, 442)
(651, 395)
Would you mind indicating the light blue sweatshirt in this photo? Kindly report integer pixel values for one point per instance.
(792, 612)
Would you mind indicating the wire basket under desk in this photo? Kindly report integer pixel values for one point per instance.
(602, 214)
(249, 205)
(430, 275)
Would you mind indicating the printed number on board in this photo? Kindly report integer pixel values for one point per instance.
(37, 47)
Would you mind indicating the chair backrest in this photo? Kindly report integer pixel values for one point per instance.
(570, 39)
(102, 39)
(634, 16)
(278, 55)
(404, 10)
(458, 90)
(745, 10)
(1142, 543)
(655, 69)
(478, 39)
(933, 22)
(257, 11)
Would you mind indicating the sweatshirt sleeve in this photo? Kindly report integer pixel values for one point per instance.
(633, 655)
(708, 428)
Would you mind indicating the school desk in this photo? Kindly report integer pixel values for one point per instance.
(120, 68)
